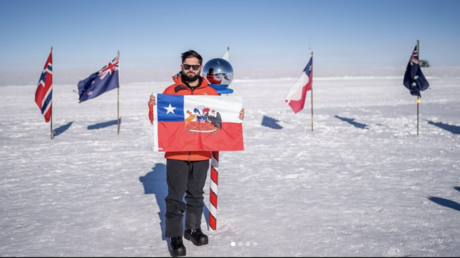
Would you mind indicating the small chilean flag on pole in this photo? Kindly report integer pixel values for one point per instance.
(198, 123)
(298, 93)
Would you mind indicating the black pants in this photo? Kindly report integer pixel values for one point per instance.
(184, 177)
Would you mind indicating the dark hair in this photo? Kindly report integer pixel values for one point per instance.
(211, 70)
(191, 53)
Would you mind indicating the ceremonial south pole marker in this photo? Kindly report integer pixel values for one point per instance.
(219, 73)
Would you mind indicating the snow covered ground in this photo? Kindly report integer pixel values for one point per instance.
(362, 183)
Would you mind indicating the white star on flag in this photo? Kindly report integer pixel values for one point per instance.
(170, 109)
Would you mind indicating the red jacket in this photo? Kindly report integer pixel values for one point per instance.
(212, 79)
(179, 88)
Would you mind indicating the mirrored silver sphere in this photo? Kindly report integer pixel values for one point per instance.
(218, 72)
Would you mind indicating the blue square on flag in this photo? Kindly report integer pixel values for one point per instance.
(170, 108)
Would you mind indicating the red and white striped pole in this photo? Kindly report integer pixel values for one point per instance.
(215, 175)
(213, 191)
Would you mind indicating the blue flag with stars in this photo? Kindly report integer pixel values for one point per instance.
(99, 82)
(414, 80)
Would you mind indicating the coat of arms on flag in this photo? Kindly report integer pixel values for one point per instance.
(198, 123)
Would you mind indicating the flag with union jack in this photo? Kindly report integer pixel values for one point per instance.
(414, 80)
(44, 92)
(99, 82)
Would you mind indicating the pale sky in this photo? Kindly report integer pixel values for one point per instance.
(260, 33)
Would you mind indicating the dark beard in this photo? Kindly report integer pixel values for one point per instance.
(186, 78)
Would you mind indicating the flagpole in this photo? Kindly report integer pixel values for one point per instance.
(51, 113)
(418, 98)
(118, 96)
(312, 91)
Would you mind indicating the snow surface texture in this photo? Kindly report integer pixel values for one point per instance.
(363, 183)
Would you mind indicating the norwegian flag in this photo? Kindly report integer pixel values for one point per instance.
(99, 82)
(414, 80)
(44, 92)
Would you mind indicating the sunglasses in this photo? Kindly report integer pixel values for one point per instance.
(195, 67)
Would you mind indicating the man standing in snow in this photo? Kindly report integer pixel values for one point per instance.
(186, 171)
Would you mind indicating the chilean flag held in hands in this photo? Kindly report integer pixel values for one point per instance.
(296, 96)
(198, 123)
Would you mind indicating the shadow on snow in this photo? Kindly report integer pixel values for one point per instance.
(445, 202)
(103, 125)
(451, 128)
(61, 129)
(271, 123)
(352, 122)
(154, 182)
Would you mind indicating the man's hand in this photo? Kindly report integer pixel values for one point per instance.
(242, 114)
(152, 101)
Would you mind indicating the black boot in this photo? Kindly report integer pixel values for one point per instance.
(176, 246)
(196, 236)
